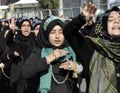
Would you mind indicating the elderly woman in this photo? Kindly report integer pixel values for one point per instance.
(100, 56)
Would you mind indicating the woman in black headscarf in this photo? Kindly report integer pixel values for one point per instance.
(20, 43)
(51, 51)
(100, 56)
(4, 82)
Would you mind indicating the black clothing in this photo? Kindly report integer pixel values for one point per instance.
(36, 65)
(83, 46)
(4, 82)
(23, 45)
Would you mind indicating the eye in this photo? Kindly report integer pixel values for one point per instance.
(61, 31)
(52, 32)
(23, 25)
(110, 20)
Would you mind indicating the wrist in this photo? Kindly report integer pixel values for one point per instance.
(79, 68)
(47, 60)
(50, 58)
(75, 73)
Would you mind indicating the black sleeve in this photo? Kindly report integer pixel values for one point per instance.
(3, 57)
(34, 64)
(10, 37)
(88, 30)
(81, 45)
(72, 34)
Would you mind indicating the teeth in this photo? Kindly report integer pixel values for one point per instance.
(116, 28)
(26, 31)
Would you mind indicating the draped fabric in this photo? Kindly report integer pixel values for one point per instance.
(103, 78)
(45, 86)
(111, 49)
(42, 41)
(103, 69)
(105, 64)
(101, 28)
(42, 38)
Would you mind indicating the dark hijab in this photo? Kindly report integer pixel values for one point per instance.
(42, 38)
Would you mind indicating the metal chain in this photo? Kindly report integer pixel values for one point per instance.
(5, 74)
(58, 82)
(4, 71)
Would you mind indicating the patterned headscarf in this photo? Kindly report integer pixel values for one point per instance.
(101, 28)
(105, 64)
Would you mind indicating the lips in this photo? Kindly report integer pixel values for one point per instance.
(116, 27)
(26, 31)
(57, 41)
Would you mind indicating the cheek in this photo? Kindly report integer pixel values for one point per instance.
(51, 38)
(110, 26)
(62, 38)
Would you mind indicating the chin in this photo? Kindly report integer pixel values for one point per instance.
(57, 45)
(116, 35)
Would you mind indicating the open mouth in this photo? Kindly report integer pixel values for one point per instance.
(26, 31)
(115, 28)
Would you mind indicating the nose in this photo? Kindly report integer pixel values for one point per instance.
(116, 20)
(57, 35)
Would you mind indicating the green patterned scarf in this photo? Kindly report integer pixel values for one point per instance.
(102, 69)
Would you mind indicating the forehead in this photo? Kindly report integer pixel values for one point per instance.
(114, 14)
(25, 22)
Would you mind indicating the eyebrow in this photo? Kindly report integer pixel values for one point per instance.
(111, 16)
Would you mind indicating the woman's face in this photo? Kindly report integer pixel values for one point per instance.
(37, 29)
(56, 37)
(25, 28)
(114, 24)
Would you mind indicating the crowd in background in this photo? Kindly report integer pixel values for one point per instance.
(53, 54)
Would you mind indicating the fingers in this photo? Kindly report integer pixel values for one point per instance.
(85, 4)
(16, 53)
(64, 65)
(69, 65)
(90, 7)
(59, 53)
(93, 8)
(2, 65)
(56, 54)
(89, 10)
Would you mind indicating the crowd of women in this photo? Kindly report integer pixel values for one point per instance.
(51, 55)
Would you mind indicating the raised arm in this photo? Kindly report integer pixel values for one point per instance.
(82, 46)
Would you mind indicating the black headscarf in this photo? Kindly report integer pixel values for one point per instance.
(21, 20)
(43, 34)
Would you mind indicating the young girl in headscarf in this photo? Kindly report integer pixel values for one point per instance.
(51, 51)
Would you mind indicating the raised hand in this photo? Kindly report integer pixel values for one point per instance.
(89, 10)
(12, 24)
